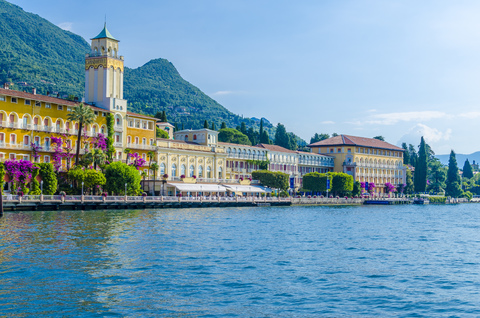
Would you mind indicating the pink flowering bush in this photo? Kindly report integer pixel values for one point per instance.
(390, 188)
(136, 160)
(20, 171)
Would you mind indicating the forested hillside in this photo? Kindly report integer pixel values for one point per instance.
(37, 53)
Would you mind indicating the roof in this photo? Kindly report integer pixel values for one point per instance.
(355, 141)
(162, 123)
(275, 148)
(221, 143)
(47, 99)
(139, 115)
(104, 34)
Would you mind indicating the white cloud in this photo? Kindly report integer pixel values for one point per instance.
(219, 93)
(431, 135)
(470, 115)
(328, 122)
(67, 26)
(393, 118)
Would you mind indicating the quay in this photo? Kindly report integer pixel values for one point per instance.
(89, 202)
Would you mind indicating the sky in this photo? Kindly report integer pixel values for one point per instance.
(399, 69)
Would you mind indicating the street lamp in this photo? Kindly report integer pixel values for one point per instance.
(82, 187)
(125, 189)
(41, 187)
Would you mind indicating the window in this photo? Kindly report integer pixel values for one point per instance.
(13, 139)
(144, 141)
(2, 98)
(69, 109)
(200, 172)
(151, 142)
(26, 140)
(209, 172)
(46, 159)
(47, 105)
(12, 156)
(191, 171)
(174, 170)
(104, 114)
(130, 123)
(37, 103)
(28, 102)
(2, 138)
(136, 140)
(182, 170)
(96, 113)
(162, 169)
(13, 100)
(129, 139)
(59, 107)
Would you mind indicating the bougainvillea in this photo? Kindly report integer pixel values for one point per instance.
(136, 160)
(389, 188)
(36, 149)
(57, 153)
(20, 171)
(99, 142)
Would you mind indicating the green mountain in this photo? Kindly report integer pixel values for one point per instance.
(37, 53)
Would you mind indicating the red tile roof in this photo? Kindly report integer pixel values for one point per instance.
(47, 99)
(355, 141)
(275, 148)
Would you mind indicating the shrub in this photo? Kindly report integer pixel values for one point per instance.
(275, 180)
(49, 178)
(437, 199)
(34, 184)
(117, 174)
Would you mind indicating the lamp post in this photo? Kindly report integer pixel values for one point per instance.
(82, 187)
(125, 189)
(41, 187)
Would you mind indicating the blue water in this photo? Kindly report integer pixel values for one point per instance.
(402, 261)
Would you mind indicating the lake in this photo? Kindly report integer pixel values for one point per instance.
(402, 261)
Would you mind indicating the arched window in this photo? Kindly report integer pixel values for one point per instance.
(174, 170)
(183, 170)
(194, 137)
(209, 172)
(220, 174)
(162, 169)
(144, 141)
(186, 137)
(191, 171)
(200, 171)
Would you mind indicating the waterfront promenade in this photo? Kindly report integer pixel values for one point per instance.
(89, 202)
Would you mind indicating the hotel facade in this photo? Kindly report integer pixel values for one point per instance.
(366, 159)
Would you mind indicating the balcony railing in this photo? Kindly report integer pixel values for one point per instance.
(232, 155)
(118, 128)
(141, 146)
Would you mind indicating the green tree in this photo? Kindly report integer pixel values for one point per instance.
(436, 176)
(357, 189)
(284, 139)
(264, 139)
(110, 133)
(118, 174)
(233, 136)
(34, 184)
(334, 135)
(318, 137)
(205, 124)
(420, 180)
(252, 136)
(84, 115)
(315, 182)
(342, 183)
(409, 187)
(413, 155)
(154, 168)
(453, 187)
(467, 170)
(379, 138)
(213, 126)
(223, 126)
(406, 154)
(94, 178)
(243, 128)
(274, 180)
(160, 133)
(49, 178)
(97, 157)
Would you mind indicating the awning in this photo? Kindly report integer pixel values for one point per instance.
(195, 187)
(247, 188)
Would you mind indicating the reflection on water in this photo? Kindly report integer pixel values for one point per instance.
(293, 261)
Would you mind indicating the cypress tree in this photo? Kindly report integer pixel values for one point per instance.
(164, 117)
(453, 188)
(205, 124)
(420, 180)
(183, 126)
(213, 126)
(243, 128)
(264, 139)
(281, 137)
(223, 126)
(467, 170)
(260, 132)
(406, 154)
(175, 127)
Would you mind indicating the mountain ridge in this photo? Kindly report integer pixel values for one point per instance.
(37, 53)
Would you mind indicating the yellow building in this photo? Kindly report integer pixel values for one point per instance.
(366, 159)
(30, 118)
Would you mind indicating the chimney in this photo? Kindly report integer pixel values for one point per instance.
(6, 85)
(34, 91)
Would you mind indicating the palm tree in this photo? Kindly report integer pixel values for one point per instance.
(84, 115)
(154, 167)
(143, 174)
(127, 151)
(150, 155)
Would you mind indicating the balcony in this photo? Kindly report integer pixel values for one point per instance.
(141, 146)
(118, 144)
(232, 155)
(118, 128)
